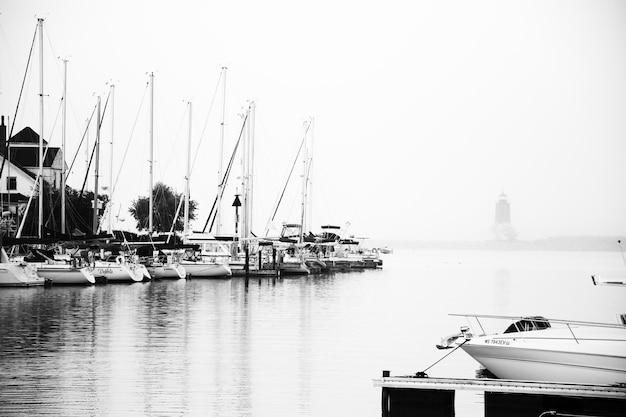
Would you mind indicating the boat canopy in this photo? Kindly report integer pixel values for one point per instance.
(528, 324)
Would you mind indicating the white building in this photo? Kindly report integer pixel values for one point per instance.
(19, 165)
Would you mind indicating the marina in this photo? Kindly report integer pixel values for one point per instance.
(253, 209)
(304, 345)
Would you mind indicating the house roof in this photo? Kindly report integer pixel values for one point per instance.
(26, 135)
(25, 154)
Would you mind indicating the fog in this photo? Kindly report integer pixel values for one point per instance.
(424, 112)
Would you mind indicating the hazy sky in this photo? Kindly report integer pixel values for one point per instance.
(425, 111)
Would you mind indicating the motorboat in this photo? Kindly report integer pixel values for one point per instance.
(540, 349)
(17, 274)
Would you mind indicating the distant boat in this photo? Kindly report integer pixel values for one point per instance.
(17, 274)
(539, 349)
(599, 280)
(385, 250)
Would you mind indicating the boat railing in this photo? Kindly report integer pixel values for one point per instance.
(524, 324)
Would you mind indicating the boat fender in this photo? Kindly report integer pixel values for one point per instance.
(119, 259)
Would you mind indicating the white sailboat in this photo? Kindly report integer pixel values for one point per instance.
(120, 270)
(210, 259)
(56, 268)
(59, 269)
(17, 274)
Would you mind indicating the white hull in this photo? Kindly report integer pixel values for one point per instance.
(17, 275)
(206, 270)
(120, 272)
(167, 271)
(293, 268)
(588, 355)
(65, 274)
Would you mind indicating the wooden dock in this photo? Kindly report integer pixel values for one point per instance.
(424, 396)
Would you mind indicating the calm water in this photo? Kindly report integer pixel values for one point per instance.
(298, 346)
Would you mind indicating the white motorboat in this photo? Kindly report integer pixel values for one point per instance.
(17, 274)
(540, 349)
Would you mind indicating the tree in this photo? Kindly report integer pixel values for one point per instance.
(79, 212)
(165, 203)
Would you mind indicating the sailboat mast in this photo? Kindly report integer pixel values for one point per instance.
(63, 146)
(187, 176)
(218, 219)
(303, 218)
(110, 217)
(40, 24)
(249, 172)
(95, 187)
(309, 193)
(151, 162)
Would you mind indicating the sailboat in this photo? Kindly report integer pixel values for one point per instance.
(49, 265)
(17, 274)
(208, 257)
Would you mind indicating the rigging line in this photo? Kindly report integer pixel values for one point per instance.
(81, 140)
(225, 177)
(93, 151)
(19, 99)
(174, 142)
(295, 160)
(56, 119)
(130, 138)
(206, 121)
(60, 73)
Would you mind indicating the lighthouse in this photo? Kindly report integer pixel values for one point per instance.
(502, 229)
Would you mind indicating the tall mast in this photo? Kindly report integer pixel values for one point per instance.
(187, 176)
(63, 146)
(40, 24)
(244, 174)
(249, 172)
(218, 219)
(305, 157)
(110, 216)
(309, 193)
(151, 162)
(97, 167)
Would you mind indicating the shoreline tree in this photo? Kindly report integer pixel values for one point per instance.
(165, 203)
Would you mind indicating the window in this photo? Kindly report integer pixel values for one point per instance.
(11, 183)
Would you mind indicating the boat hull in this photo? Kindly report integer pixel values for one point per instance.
(15, 275)
(592, 357)
(119, 272)
(66, 274)
(167, 271)
(206, 270)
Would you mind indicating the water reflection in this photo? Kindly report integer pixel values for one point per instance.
(299, 346)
